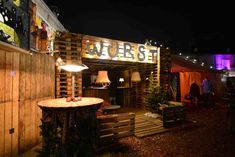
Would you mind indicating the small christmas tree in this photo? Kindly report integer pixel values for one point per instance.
(156, 96)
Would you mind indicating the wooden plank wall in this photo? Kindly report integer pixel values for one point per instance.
(68, 46)
(24, 80)
(140, 89)
(165, 67)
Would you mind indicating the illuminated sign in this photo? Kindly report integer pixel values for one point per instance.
(102, 48)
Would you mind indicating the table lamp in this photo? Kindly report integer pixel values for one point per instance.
(121, 80)
(135, 77)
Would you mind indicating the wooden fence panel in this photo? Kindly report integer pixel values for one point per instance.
(8, 104)
(37, 84)
(15, 103)
(2, 99)
(22, 85)
(24, 80)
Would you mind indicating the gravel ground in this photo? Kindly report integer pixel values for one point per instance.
(204, 134)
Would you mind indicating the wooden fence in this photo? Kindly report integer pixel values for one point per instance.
(25, 79)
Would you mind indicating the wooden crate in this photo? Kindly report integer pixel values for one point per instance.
(173, 114)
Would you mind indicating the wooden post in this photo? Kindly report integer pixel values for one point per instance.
(158, 66)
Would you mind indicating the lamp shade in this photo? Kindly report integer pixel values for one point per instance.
(135, 77)
(102, 77)
(121, 79)
(73, 67)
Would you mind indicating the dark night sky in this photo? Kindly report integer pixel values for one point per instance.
(182, 26)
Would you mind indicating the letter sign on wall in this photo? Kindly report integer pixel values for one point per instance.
(102, 48)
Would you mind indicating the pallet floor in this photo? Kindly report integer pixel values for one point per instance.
(146, 126)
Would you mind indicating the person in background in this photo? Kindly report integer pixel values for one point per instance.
(194, 92)
(208, 92)
(112, 93)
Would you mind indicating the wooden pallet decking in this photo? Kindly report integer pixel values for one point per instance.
(146, 126)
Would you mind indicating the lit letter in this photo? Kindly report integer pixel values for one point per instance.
(115, 53)
(153, 51)
(95, 49)
(127, 50)
(90, 52)
(99, 53)
(141, 51)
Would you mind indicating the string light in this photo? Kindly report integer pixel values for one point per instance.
(150, 42)
(194, 60)
(189, 58)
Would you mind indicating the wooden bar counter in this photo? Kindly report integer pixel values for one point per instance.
(69, 128)
(97, 92)
(123, 95)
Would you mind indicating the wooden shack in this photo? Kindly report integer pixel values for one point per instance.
(119, 58)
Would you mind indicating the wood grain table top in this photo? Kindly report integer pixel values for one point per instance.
(61, 103)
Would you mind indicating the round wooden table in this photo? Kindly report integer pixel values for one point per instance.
(69, 127)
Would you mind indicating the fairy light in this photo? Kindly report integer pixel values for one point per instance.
(189, 58)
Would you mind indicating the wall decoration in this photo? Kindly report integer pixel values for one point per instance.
(14, 16)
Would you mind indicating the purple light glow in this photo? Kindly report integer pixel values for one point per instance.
(223, 61)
